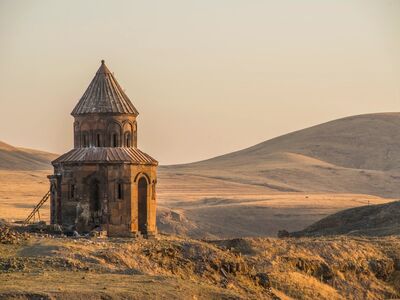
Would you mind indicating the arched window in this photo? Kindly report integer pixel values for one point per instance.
(114, 134)
(76, 134)
(114, 140)
(98, 140)
(128, 139)
(85, 140)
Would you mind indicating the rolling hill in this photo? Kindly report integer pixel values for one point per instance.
(369, 220)
(14, 158)
(358, 154)
(287, 182)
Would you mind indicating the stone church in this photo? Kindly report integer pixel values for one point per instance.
(105, 182)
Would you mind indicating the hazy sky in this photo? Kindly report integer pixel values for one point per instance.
(208, 77)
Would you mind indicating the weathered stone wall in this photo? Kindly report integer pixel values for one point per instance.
(97, 130)
(75, 206)
(117, 210)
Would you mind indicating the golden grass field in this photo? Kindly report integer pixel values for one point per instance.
(208, 207)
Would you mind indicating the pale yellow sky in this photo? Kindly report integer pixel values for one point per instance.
(208, 77)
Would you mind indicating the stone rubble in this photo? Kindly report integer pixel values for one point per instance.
(10, 236)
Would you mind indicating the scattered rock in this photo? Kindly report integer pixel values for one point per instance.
(3, 222)
(381, 268)
(37, 227)
(176, 216)
(262, 279)
(55, 228)
(283, 234)
(238, 245)
(11, 264)
(10, 236)
(315, 268)
(98, 232)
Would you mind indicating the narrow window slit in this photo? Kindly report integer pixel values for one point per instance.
(120, 191)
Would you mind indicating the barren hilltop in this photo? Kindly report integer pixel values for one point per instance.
(357, 154)
(16, 158)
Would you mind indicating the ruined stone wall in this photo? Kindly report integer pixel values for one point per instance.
(117, 192)
(80, 210)
(75, 207)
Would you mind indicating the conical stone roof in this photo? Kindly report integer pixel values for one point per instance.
(104, 95)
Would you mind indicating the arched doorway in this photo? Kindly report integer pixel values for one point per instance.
(142, 205)
(95, 201)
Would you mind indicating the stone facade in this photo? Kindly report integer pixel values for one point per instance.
(105, 182)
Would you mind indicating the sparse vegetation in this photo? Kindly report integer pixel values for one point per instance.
(253, 268)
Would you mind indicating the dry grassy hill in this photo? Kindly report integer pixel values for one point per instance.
(370, 220)
(14, 158)
(54, 267)
(358, 154)
(295, 179)
(22, 180)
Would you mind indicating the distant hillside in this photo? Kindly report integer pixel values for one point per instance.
(370, 141)
(372, 220)
(358, 154)
(13, 158)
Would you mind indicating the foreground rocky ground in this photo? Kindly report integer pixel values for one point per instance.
(35, 266)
